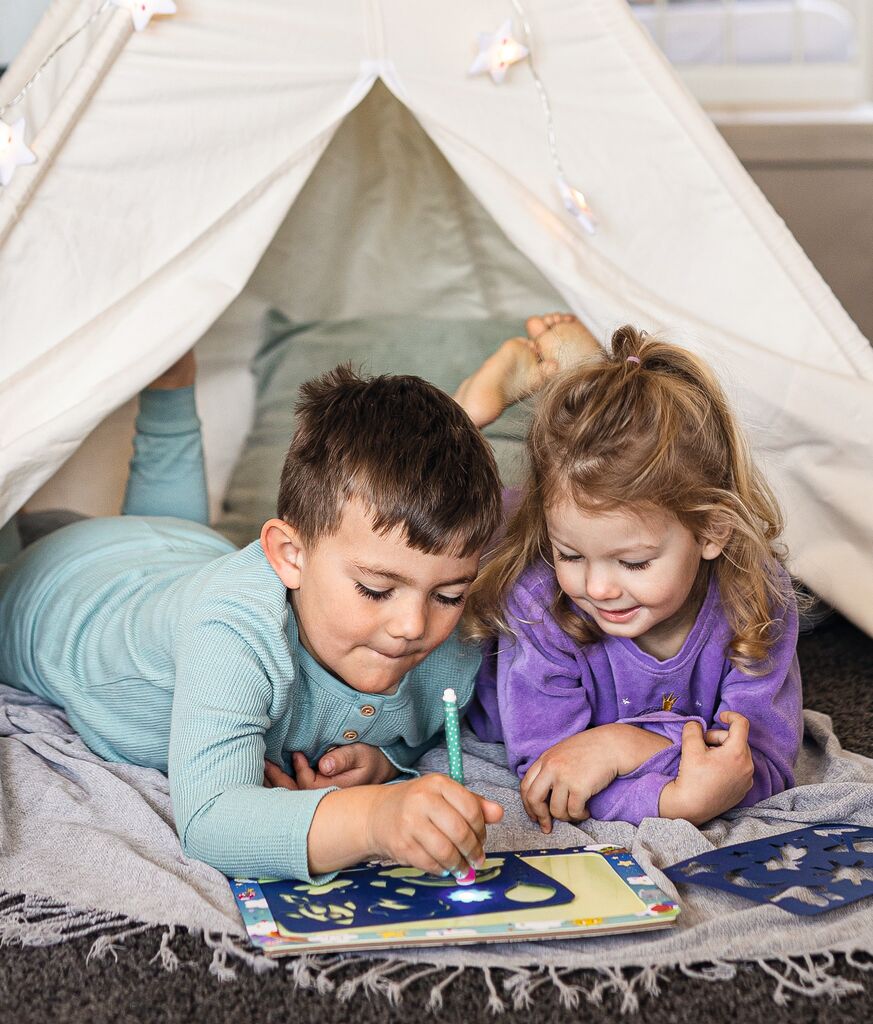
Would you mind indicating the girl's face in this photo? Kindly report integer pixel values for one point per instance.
(634, 575)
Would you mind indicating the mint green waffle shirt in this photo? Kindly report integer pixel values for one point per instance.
(169, 648)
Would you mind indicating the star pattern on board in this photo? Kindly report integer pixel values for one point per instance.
(497, 51)
(13, 152)
(142, 11)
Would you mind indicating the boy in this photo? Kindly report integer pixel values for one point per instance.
(169, 648)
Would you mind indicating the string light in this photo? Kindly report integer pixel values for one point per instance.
(142, 11)
(13, 152)
(497, 53)
(572, 198)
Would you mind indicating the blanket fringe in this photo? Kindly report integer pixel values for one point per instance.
(809, 976)
(41, 921)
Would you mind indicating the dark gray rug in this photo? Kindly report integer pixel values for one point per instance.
(61, 984)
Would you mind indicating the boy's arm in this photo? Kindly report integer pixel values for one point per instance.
(167, 476)
(224, 815)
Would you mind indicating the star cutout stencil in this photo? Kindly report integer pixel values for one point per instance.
(142, 11)
(496, 52)
(13, 152)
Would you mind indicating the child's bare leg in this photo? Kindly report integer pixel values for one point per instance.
(514, 371)
(562, 338)
(180, 375)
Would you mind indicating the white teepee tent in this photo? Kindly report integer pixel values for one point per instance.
(168, 161)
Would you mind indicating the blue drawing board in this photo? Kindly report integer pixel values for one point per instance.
(807, 871)
(379, 894)
(519, 895)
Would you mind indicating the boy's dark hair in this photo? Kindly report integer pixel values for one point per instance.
(401, 446)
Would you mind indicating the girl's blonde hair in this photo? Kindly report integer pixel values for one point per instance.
(646, 427)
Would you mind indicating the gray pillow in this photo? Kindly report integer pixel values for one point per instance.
(442, 351)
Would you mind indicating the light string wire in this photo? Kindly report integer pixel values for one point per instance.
(33, 78)
(574, 200)
(541, 89)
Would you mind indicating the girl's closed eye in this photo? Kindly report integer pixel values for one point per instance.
(562, 557)
(637, 565)
(452, 601)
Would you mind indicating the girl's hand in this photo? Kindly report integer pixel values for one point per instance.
(562, 780)
(357, 764)
(715, 771)
(431, 823)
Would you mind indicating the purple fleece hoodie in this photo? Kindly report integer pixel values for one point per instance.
(543, 687)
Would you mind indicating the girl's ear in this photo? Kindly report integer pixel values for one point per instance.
(284, 549)
(713, 541)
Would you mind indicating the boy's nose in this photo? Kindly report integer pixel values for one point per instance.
(408, 621)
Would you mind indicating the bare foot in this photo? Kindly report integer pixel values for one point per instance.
(513, 372)
(180, 375)
(536, 325)
(564, 340)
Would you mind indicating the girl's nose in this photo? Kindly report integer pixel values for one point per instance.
(601, 585)
(408, 620)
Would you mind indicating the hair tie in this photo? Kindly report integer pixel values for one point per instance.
(633, 359)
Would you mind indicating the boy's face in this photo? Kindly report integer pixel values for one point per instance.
(369, 607)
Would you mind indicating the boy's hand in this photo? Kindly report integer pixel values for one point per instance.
(357, 764)
(715, 771)
(431, 823)
(562, 780)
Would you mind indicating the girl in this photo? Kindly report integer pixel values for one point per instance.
(643, 627)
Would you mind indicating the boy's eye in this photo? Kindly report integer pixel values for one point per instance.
(452, 602)
(633, 566)
(373, 595)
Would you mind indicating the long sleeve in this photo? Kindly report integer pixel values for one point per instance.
(541, 689)
(773, 704)
(167, 476)
(221, 712)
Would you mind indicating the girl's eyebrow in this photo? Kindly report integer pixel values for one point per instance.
(618, 551)
(632, 547)
(395, 577)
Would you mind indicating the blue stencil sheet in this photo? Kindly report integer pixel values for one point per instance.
(807, 871)
(379, 894)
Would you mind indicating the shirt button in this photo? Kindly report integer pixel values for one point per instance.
(350, 734)
(368, 710)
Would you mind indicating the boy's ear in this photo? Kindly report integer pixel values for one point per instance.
(283, 547)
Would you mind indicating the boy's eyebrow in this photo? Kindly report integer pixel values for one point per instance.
(388, 574)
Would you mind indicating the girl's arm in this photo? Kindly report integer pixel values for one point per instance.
(167, 476)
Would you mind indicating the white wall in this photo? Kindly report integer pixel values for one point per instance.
(18, 19)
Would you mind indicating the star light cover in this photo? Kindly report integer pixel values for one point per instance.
(13, 152)
(497, 51)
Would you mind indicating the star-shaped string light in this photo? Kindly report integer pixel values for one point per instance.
(13, 152)
(576, 204)
(142, 11)
(496, 52)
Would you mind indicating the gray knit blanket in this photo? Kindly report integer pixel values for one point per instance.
(88, 848)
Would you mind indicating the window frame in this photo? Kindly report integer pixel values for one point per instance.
(798, 84)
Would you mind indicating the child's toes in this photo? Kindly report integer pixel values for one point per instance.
(535, 325)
